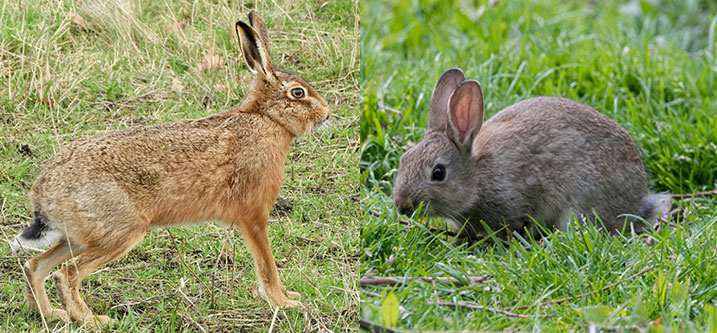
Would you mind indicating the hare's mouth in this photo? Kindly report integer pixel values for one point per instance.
(320, 122)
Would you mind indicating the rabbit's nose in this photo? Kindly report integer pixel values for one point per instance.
(405, 210)
(404, 206)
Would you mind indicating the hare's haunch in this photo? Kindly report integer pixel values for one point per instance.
(96, 198)
(545, 159)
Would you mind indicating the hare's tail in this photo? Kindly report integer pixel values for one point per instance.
(39, 235)
(656, 206)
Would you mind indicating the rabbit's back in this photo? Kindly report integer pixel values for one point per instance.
(548, 158)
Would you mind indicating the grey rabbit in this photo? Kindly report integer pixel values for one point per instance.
(544, 159)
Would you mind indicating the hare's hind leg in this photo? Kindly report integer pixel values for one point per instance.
(36, 270)
(257, 240)
(69, 278)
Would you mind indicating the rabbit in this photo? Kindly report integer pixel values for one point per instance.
(95, 199)
(541, 160)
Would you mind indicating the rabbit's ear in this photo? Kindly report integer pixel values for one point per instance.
(257, 22)
(439, 100)
(255, 50)
(465, 114)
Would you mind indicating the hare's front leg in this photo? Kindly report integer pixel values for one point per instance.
(257, 240)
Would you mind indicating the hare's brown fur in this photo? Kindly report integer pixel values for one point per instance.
(102, 193)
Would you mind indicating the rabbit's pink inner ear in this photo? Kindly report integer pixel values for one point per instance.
(461, 116)
(465, 108)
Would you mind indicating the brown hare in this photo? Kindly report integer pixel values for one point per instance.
(542, 160)
(96, 198)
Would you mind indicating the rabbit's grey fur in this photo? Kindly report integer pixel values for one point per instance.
(543, 159)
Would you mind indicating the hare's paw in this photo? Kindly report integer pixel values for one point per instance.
(291, 303)
(279, 300)
(293, 295)
(59, 314)
(105, 320)
(284, 302)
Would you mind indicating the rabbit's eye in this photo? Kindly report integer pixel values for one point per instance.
(297, 93)
(439, 173)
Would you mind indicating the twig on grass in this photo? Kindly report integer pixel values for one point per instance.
(487, 308)
(594, 327)
(189, 318)
(142, 301)
(570, 298)
(505, 311)
(181, 259)
(122, 268)
(283, 11)
(213, 303)
(370, 293)
(308, 279)
(373, 327)
(473, 279)
(404, 222)
(179, 289)
(693, 195)
(393, 280)
(388, 108)
(273, 319)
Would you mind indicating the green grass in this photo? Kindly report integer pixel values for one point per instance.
(75, 69)
(650, 65)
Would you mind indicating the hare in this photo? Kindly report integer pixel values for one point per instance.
(96, 198)
(541, 160)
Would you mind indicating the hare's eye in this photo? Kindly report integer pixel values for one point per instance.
(439, 173)
(297, 93)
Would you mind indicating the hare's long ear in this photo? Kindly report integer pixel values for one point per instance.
(465, 114)
(256, 52)
(257, 22)
(448, 82)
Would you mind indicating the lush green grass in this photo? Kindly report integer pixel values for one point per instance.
(74, 69)
(650, 65)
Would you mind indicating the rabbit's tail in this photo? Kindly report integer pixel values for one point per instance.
(656, 207)
(39, 235)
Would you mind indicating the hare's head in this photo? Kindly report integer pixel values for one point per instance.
(284, 97)
(439, 169)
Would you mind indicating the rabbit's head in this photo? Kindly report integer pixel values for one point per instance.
(439, 169)
(284, 97)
